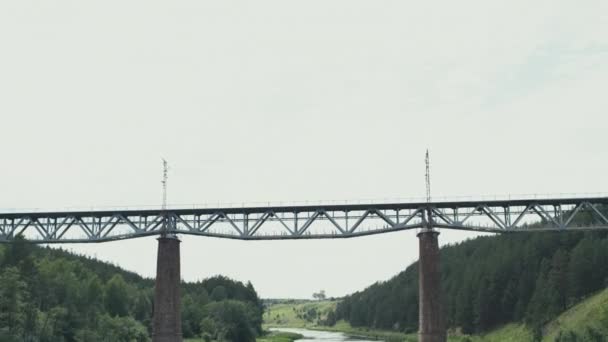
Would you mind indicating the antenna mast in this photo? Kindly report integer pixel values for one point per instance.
(164, 182)
(428, 177)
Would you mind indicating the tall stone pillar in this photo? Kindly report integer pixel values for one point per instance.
(167, 322)
(431, 321)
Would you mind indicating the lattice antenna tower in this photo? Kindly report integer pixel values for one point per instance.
(164, 182)
(428, 177)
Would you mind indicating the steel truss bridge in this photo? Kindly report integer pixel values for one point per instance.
(308, 222)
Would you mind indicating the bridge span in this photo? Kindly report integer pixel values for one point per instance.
(306, 222)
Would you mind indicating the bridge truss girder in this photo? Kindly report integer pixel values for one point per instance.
(309, 222)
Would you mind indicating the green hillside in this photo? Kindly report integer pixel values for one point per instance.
(298, 313)
(492, 282)
(581, 322)
(585, 321)
(49, 295)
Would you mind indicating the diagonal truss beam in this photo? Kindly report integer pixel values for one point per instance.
(309, 222)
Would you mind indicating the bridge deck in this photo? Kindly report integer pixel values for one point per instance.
(308, 222)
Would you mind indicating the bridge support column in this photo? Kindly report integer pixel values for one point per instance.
(167, 322)
(431, 321)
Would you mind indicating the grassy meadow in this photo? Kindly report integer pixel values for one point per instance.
(297, 313)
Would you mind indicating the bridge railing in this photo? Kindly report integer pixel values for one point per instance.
(279, 203)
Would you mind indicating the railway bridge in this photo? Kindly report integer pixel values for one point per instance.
(330, 221)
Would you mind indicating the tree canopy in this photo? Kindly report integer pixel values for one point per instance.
(493, 280)
(51, 295)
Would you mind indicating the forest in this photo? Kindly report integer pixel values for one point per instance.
(489, 281)
(50, 295)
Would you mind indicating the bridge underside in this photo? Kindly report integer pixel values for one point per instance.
(308, 222)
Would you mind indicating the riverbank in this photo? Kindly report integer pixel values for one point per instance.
(272, 336)
(343, 327)
(588, 317)
(280, 336)
(311, 314)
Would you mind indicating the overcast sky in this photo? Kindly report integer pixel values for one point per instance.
(297, 100)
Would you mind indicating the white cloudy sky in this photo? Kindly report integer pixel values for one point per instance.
(297, 100)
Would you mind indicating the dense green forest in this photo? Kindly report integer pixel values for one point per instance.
(490, 281)
(47, 294)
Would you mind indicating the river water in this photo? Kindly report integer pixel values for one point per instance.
(325, 336)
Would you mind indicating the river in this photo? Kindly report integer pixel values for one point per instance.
(325, 336)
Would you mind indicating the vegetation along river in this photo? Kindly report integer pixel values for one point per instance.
(325, 336)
